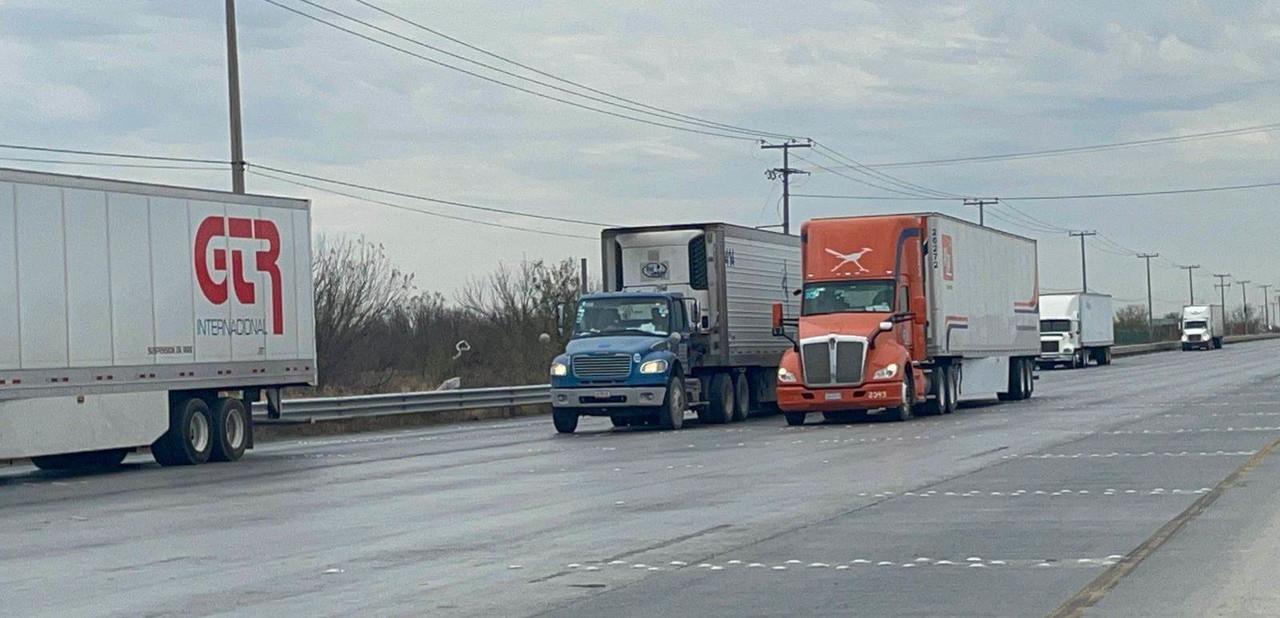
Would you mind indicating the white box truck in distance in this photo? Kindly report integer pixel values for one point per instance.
(1075, 329)
(138, 315)
(1203, 327)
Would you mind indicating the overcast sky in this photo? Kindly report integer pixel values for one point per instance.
(880, 82)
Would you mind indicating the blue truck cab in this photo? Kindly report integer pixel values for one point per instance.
(684, 323)
(627, 359)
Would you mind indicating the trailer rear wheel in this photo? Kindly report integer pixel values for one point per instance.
(741, 396)
(719, 408)
(90, 460)
(230, 429)
(189, 440)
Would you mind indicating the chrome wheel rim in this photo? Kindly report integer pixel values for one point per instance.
(198, 432)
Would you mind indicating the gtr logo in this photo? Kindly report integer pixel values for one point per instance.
(948, 262)
(217, 292)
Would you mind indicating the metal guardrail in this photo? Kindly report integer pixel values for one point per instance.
(1161, 346)
(336, 408)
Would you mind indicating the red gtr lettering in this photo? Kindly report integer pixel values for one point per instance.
(217, 291)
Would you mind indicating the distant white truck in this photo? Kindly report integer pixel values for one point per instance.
(1203, 327)
(1075, 329)
(146, 316)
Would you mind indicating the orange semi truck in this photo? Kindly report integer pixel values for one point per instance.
(908, 314)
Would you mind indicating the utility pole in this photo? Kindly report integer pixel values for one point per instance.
(785, 173)
(582, 278)
(1266, 307)
(981, 203)
(1150, 310)
(1222, 286)
(1084, 276)
(1191, 284)
(233, 95)
(1244, 297)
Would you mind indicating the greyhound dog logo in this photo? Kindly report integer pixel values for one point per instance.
(850, 258)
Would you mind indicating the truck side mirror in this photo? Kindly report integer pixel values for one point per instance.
(674, 339)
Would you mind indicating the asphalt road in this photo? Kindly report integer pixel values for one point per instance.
(1009, 509)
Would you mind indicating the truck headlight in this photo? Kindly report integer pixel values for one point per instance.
(654, 366)
(886, 372)
(559, 369)
(785, 375)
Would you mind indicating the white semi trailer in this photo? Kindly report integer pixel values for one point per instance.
(1076, 328)
(1203, 327)
(137, 316)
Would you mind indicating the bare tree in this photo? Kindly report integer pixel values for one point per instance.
(357, 289)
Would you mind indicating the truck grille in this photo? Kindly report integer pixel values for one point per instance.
(1193, 337)
(1049, 346)
(601, 366)
(817, 359)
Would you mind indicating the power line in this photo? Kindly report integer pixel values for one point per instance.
(416, 210)
(118, 155)
(855, 179)
(852, 163)
(746, 130)
(432, 200)
(197, 168)
(1082, 196)
(499, 82)
(1051, 152)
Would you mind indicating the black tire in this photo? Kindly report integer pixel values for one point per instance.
(91, 460)
(189, 440)
(844, 416)
(566, 421)
(671, 414)
(953, 388)
(794, 419)
(1079, 360)
(1016, 382)
(230, 429)
(1217, 343)
(1029, 379)
(1106, 356)
(719, 408)
(937, 388)
(741, 396)
(620, 421)
(907, 410)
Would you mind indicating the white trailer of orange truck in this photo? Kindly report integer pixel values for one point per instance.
(146, 316)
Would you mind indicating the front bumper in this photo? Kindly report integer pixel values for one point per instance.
(1060, 357)
(800, 398)
(608, 397)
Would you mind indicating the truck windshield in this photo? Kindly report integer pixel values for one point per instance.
(872, 296)
(1055, 326)
(616, 316)
(1195, 324)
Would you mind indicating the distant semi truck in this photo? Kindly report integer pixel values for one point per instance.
(683, 322)
(145, 316)
(1203, 327)
(907, 314)
(1076, 329)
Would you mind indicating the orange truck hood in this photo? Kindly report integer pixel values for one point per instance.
(859, 324)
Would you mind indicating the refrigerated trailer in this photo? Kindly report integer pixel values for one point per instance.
(684, 321)
(141, 316)
(906, 314)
